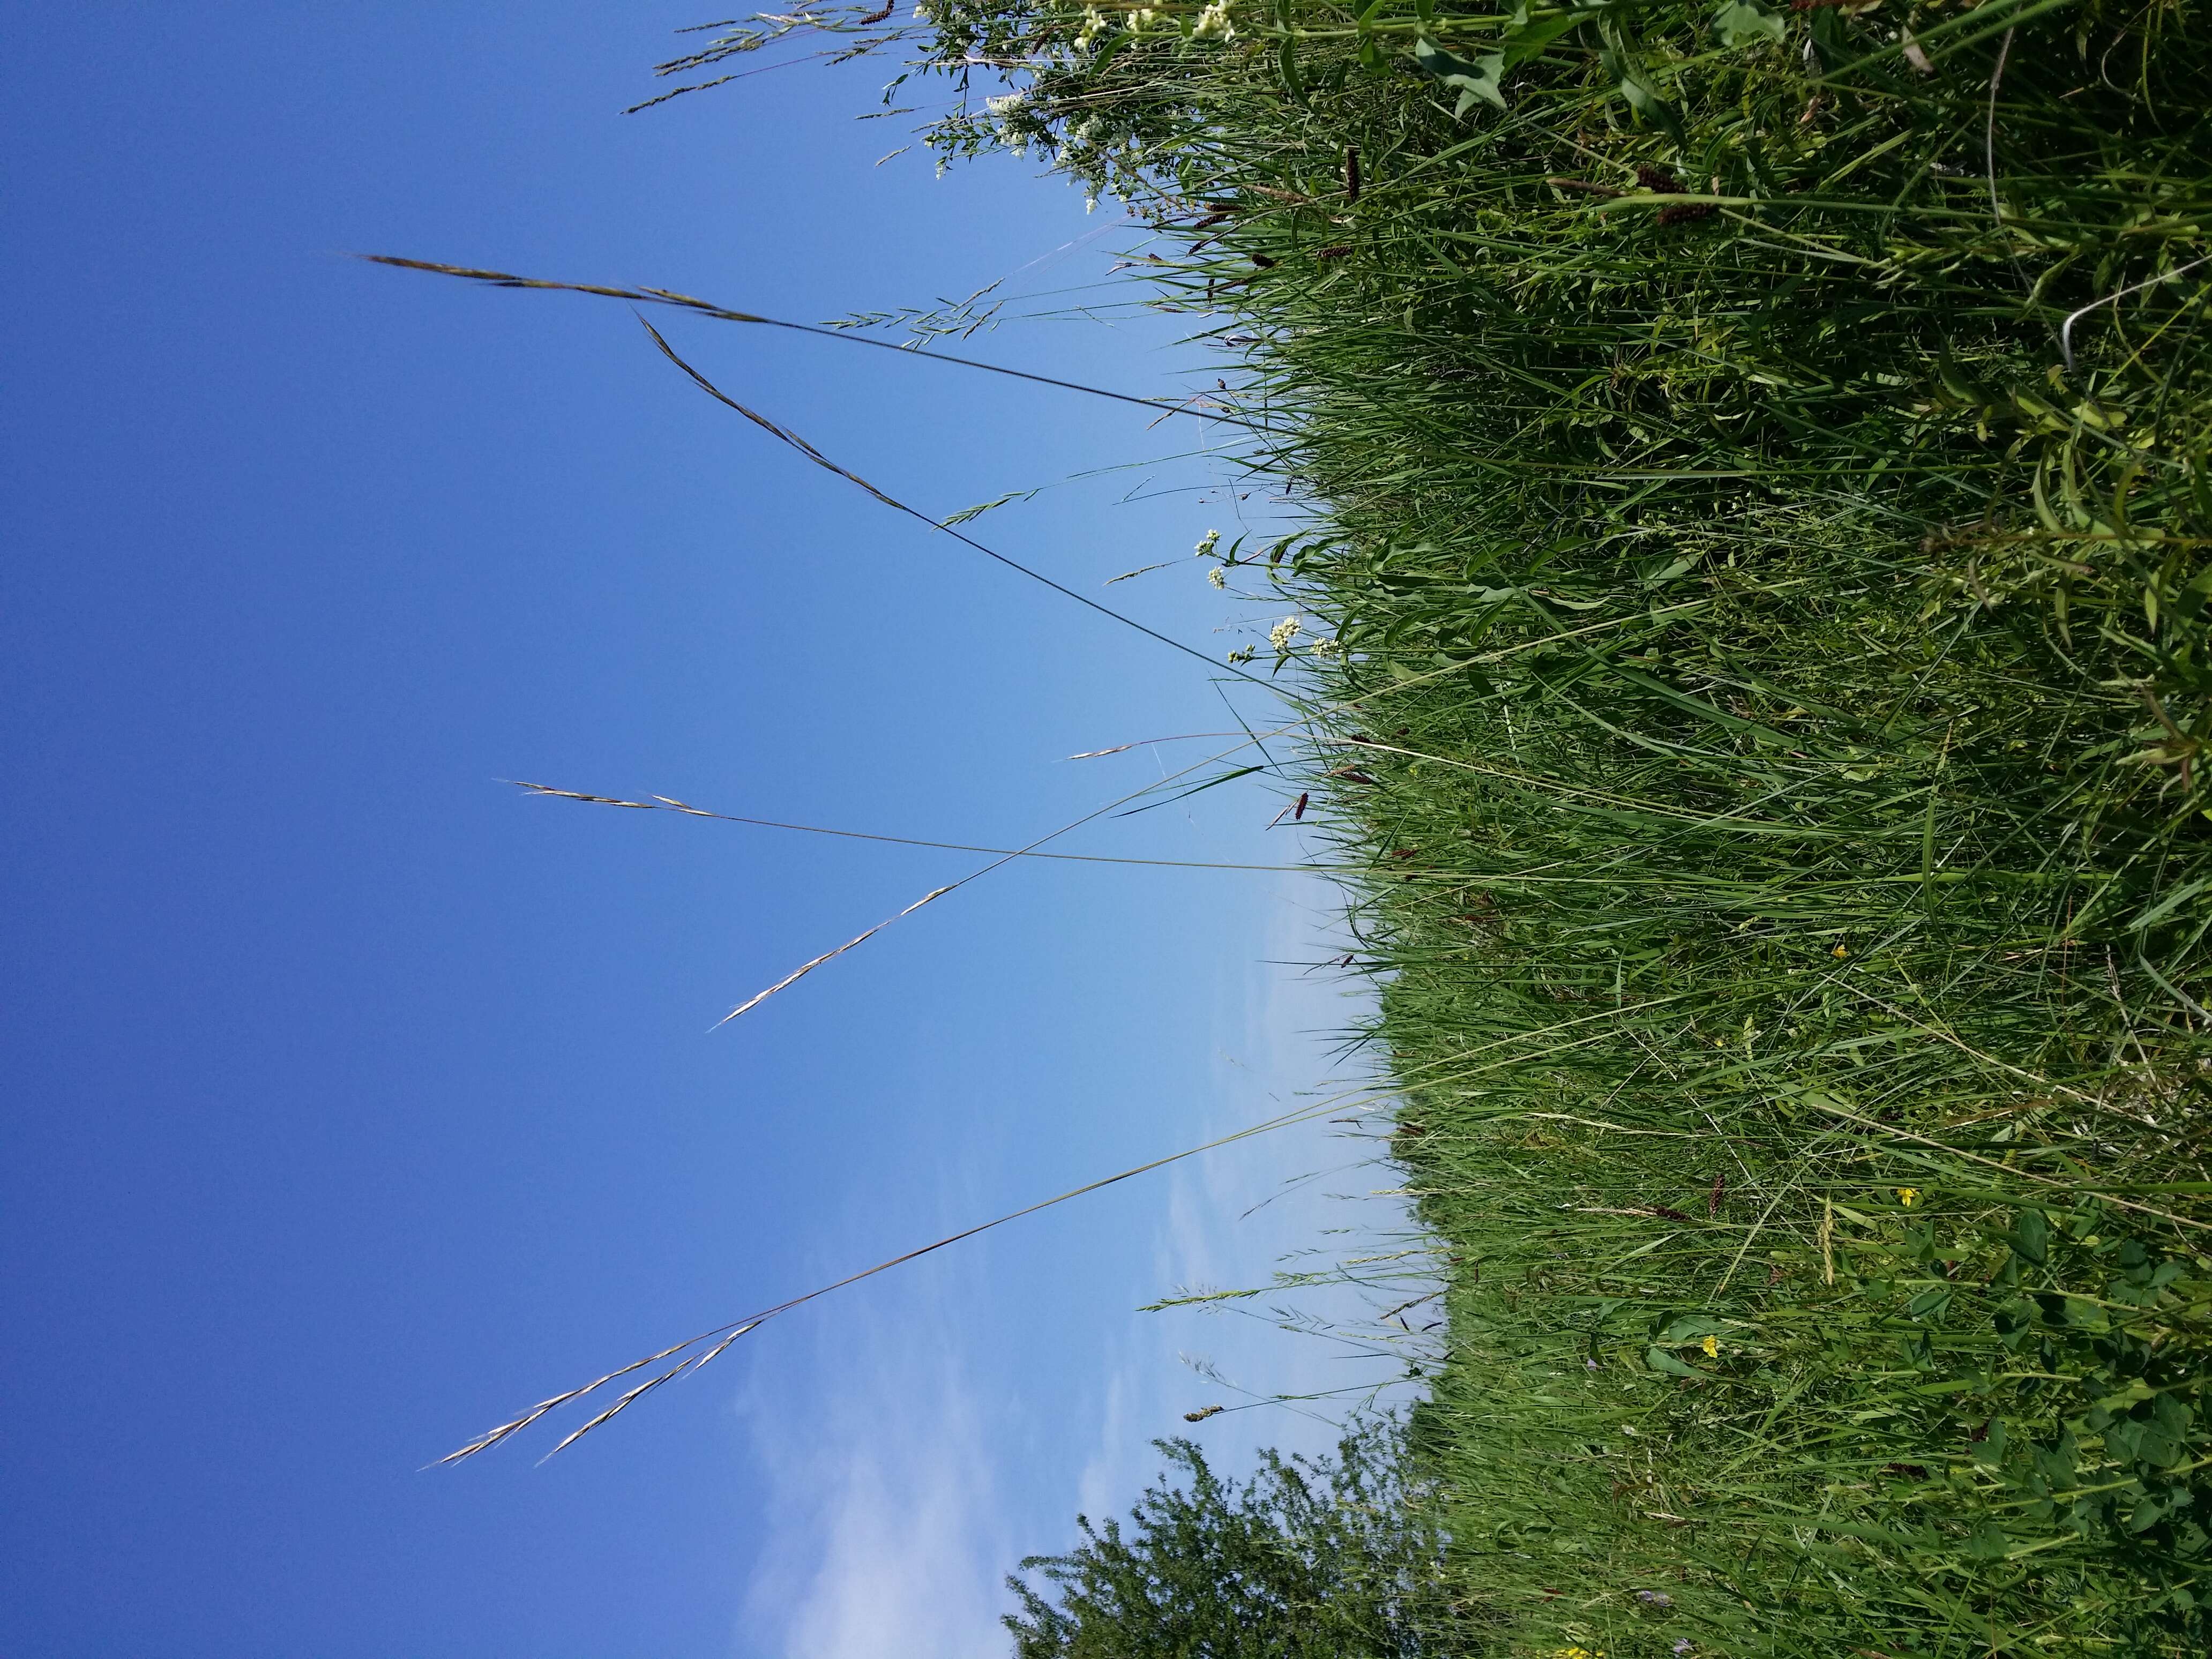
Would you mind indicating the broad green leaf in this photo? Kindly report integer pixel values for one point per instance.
(1989, 1542)
(1472, 81)
(1287, 58)
(1620, 59)
(1525, 39)
(2032, 1238)
(1738, 24)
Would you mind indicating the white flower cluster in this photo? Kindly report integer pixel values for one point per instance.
(1283, 633)
(1208, 541)
(1006, 104)
(1213, 23)
(1218, 577)
(1141, 20)
(1327, 648)
(1094, 25)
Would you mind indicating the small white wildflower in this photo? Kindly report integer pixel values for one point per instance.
(1328, 647)
(1141, 20)
(1240, 656)
(1208, 541)
(1006, 104)
(1283, 633)
(1090, 204)
(1094, 25)
(1218, 577)
(1213, 22)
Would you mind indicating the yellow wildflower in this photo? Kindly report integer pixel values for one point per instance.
(1711, 1344)
(1908, 1196)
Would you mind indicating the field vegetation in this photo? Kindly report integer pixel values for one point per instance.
(1753, 618)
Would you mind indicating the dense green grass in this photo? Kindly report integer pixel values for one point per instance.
(1755, 612)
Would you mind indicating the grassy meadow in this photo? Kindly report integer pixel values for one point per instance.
(1753, 619)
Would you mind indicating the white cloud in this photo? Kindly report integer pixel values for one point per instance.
(891, 1530)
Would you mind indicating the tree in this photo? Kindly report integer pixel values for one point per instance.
(1310, 1558)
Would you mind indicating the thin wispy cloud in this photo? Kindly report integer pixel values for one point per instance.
(892, 1525)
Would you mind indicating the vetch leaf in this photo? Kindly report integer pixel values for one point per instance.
(2030, 1238)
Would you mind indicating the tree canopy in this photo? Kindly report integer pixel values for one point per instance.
(1311, 1555)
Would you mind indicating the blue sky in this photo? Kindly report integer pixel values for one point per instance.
(355, 1101)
